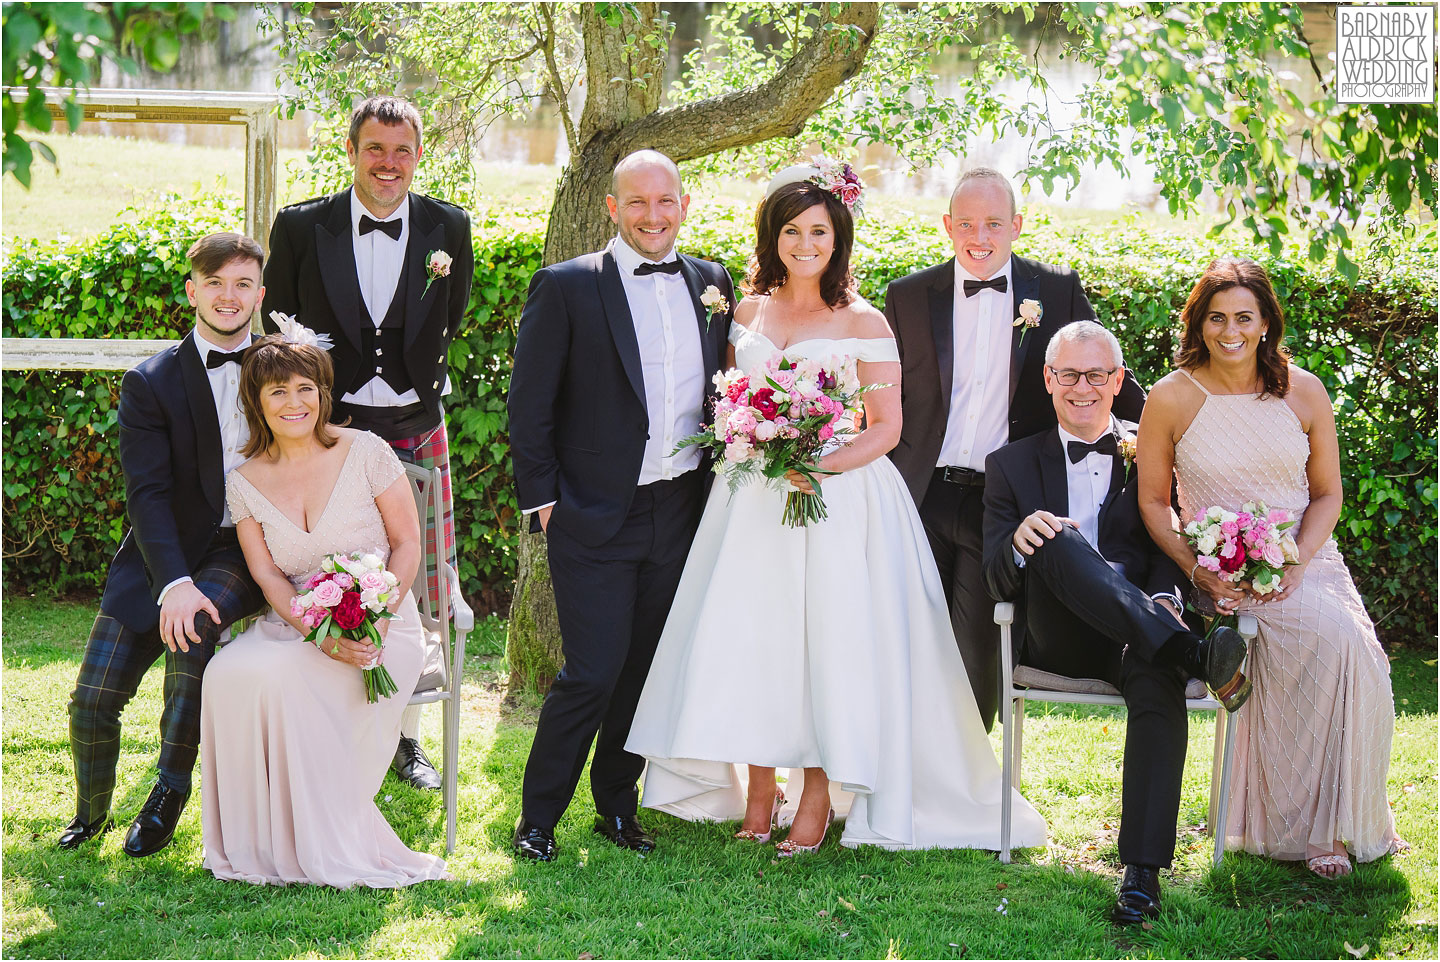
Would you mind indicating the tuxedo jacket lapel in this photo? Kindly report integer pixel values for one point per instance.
(942, 329)
(696, 284)
(425, 236)
(622, 325)
(201, 402)
(335, 251)
(1054, 482)
(1026, 287)
(1117, 478)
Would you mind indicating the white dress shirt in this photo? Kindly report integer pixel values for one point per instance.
(1088, 481)
(234, 430)
(979, 420)
(379, 260)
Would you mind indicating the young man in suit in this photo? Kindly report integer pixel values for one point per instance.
(970, 382)
(1097, 598)
(179, 578)
(612, 365)
(357, 265)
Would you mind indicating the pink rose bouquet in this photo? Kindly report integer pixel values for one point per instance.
(1251, 545)
(347, 598)
(780, 418)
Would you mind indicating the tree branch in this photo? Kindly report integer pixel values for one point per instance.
(557, 84)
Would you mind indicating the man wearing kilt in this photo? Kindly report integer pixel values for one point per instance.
(386, 273)
(179, 578)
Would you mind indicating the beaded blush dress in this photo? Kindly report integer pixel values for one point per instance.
(1313, 743)
(291, 752)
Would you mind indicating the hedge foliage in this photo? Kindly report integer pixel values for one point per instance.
(1373, 344)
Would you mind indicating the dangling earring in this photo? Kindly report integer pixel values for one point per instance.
(1262, 338)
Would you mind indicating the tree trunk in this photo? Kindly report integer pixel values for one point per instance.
(619, 117)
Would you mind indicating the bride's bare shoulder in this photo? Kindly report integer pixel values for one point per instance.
(863, 320)
(746, 310)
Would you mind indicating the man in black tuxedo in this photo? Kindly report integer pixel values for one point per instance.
(971, 382)
(612, 365)
(1097, 598)
(179, 578)
(357, 265)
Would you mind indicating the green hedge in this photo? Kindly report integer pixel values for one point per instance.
(1374, 345)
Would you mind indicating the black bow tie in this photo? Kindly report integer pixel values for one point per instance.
(1105, 444)
(669, 267)
(216, 358)
(391, 227)
(1001, 284)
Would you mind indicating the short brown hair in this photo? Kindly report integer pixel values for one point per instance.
(1223, 273)
(274, 360)
(213, 251)
(767, 272)
(387, 110)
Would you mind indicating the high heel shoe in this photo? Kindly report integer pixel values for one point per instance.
(788, 848)
(761, 838)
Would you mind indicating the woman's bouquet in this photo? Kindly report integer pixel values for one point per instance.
(346, 598)
(1253, 544)
(779, 418)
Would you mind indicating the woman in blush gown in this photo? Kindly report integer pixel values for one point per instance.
(1237, 422)
(292, 753)
(825, 648)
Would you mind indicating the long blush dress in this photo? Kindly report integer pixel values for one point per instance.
(825, 646)
(291, 752)
(1313, 743)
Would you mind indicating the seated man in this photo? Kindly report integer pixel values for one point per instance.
(1097, 599)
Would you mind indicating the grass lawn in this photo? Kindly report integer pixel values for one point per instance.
(701, 895)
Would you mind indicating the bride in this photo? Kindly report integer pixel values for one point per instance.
(826, 648)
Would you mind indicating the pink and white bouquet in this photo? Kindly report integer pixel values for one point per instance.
(1251, 545)
(779, 418)
(347, 598)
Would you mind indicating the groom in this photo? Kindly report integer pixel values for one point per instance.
(1098, 599)
(357, 265)
(970, 382)
(179, 578)
(612, 366)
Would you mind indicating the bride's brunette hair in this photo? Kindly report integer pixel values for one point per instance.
(274, 360)
(767, 272)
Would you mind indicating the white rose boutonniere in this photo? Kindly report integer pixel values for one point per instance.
(1127, 450)
(714, 303)
(437, 265)
(1030, 314)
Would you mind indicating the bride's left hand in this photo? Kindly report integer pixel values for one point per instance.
(799, 482)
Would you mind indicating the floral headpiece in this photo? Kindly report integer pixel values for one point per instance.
(838, 177)
(296, 333)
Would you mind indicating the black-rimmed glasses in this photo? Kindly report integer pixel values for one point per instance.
(1069, 378)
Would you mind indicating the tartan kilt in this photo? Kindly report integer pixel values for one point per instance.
(431, 450)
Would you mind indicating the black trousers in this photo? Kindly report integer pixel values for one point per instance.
(1083, 619)
(612, 601)
(954, 519)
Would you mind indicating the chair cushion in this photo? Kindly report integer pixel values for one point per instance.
(1027, 677)
(432, 675)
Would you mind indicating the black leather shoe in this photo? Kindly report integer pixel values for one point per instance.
(625, 831)
(535, 843)
(1220, 657)
(1139, 897)
(413, 766)
(77, 832)
(155, 825)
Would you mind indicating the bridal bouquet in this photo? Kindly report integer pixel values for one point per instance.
(346, 598)
(779, 418)
(1253, 544)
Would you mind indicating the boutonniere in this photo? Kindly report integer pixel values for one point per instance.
(714, 303)
(1030, 314)
(1126, 447)
(437, 265)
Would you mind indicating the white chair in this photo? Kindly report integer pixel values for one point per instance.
(446, 625)
(1021, 682)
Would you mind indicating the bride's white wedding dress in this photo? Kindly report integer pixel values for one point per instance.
(825, 646)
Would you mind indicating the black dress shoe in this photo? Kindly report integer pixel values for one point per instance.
(412, 765)
(535, 843)
(625, 831)
(1139, 897)
(77, 832)
(1219, 659)
(155, 825)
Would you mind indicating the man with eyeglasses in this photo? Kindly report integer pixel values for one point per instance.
(1096, 597)
(971, 334)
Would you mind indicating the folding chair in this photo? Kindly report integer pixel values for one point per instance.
(1021, 682)
(446, 625)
